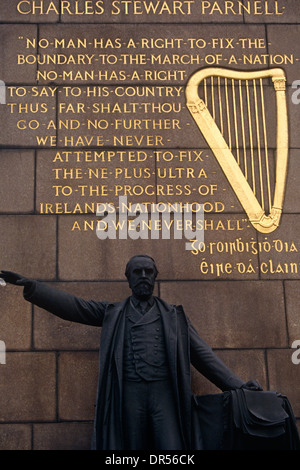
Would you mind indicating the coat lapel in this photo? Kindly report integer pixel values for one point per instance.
(168, 317)
(108, 422)
(177, 343)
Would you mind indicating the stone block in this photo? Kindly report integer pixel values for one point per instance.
(27, 119)
(130, 116)
(15, 318)
(62, 436)
(236, 314)
(292, 309)
(284, 48)
(293, 97)
(97, 178)
(16, 181)
(279, 250)
(103, 259)
(248, 365)
(272, 12)
(194, 176)
(284, 376)
(26, 12)
(28, 245)
(229, 250)
(77, 378)
(292, 187)
(27, 388)
(13, 43)
(52, 332)
(15, 437)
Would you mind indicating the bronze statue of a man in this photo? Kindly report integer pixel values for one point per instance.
(144, 397)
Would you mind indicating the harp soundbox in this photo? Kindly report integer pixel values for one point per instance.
(233, 110)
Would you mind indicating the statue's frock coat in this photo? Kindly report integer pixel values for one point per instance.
(183, 345)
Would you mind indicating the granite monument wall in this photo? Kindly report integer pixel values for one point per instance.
(93, 109)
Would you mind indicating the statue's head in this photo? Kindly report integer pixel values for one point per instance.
(141, 272)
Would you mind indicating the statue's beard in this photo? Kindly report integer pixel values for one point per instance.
(143, 289)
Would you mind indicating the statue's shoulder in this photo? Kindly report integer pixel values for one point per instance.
(117, 306)
(177, 308)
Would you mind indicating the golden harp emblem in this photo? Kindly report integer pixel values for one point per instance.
(231, 108)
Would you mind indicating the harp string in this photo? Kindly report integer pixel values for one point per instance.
(243, 130)
(238, 108)
(213, 98)
(265, 143)
(220, 106)
(251, 138)
(205, 92)
(228, 115)
(235, 122)
(258, 146)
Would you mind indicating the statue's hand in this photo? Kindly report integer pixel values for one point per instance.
(14, 278)
(252, 385)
